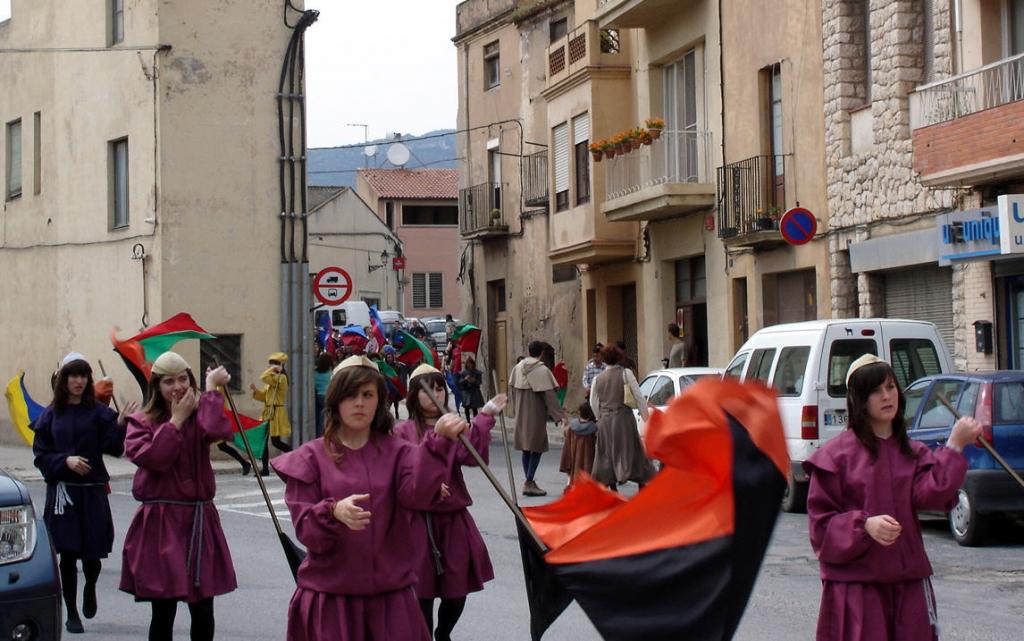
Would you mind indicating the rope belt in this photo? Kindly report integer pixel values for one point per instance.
(435, 552)
(195, 544)
(63, 499)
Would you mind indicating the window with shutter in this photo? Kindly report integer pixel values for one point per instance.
(561, 136)
(419, 291)
(436, 290)
(581, 156)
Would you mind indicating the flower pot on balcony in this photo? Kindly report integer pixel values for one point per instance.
(597, 155)
(610, 152)
(655, 133)
(764, 224)
(636, 143)
(728, 232)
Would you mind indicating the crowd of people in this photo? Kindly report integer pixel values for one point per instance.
(424, 549)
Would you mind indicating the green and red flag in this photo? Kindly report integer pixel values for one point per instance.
(139, 351)
(467, 338)
(255, 430)
(678, 560)
(392, 377)
(412, 350)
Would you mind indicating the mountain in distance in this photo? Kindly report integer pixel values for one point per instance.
(337, 166)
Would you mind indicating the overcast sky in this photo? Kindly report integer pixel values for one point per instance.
(389, 64)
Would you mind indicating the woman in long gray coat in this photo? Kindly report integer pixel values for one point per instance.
(620, 455)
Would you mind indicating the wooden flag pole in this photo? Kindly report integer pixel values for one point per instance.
(113, 398)
(293, 553)
(488, 473)
(504, 442)
(985, 444)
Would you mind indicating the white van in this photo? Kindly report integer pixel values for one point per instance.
(806, 364)
(352, 312)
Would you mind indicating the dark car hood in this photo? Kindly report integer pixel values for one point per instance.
(12, 491)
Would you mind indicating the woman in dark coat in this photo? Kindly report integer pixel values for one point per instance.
(470, 380)
(72, 435)
(619, 456)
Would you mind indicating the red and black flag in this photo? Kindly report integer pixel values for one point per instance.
(678, 560)
(139, 351)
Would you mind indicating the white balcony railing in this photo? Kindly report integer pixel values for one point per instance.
(993, 85)
(675, 157)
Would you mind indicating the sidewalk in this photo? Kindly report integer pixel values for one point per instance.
(17, 459)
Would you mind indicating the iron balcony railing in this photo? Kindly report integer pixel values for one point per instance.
(751, 195)
(993, 85)
(535, 179)
(675, 157)
(480, 209)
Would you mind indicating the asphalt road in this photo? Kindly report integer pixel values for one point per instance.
(980, 590)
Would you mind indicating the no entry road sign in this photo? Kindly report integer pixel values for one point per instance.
(332, 286)
(798, 226)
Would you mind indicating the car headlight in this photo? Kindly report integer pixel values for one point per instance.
(17, 533)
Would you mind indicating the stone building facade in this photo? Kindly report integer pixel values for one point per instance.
(885, 63)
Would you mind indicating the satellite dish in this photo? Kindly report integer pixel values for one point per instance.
(398, 154)
(370, 151)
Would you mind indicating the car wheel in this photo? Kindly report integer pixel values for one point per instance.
(795, 498)
(967, 526)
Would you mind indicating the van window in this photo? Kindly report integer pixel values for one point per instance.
(1008, 403)
(913, 358)
(842, 353)
(339, 318)
(736, 367)
(789, 373)
(761, 364)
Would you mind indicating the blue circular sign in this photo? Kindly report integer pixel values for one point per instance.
(798, 226)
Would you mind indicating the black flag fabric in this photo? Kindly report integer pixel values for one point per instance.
(679, 560)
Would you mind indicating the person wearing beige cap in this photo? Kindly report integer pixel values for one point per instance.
(175, 549)
(867, 485)
(72, 436)
(353, 495)
(274, 396)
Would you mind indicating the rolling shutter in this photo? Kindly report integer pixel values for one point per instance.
(922, 293)
(581, 128)
(561, 135)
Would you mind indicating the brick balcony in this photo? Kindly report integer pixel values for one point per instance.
(969, 129)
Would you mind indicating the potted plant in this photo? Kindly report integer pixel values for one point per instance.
(636, 137)
(622, 144)
(495, 217)
(608, 147)
(654, 126)
(597, 150)
(762, 222)
(646, 138)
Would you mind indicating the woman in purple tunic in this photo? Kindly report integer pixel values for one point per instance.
(71, 437)
(175, 548)
(352, 494)
(867, 485)
(454, 559)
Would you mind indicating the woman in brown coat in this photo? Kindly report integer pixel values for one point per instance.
(620, 454)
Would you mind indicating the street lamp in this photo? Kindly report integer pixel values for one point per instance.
(383, 262)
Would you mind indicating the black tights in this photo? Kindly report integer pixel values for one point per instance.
(161, 628)
(233, 453)
(473, 410)
(279, 444)
(448, 614)
(69, 579)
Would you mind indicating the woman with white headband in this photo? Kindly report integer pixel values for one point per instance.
(71, 437)
(175, 548)
(867, 485)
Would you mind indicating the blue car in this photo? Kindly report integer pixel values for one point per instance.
(996, 400)
(30, 601)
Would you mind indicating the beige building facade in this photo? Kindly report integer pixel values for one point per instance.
(141, 179)
(671, 231)
(923, 119)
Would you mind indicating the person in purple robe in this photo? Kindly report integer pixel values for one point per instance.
(867, 485)
(352, 495)
(453, 560)
(175, 548)
(71, 437)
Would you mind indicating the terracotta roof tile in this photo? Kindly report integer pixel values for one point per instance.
(413, 184)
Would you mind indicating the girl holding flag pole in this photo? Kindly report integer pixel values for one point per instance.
(175, 548)
(352, 495)
(867, 485)
(453, 557)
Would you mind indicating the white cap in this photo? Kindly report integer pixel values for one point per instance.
(70, 358)
(866, 359)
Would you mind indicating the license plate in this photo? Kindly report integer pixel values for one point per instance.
(835, 418)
